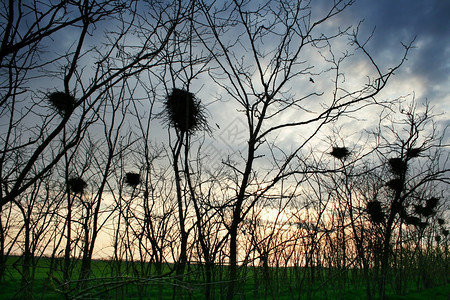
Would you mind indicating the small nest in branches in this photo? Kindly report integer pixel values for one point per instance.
(62, 102)
(375, 212)
(412, 220)
(441, 221)
(422, 225)
(184, 111)
(340, 152)
(77, 185)
(424, 211)
(132, 179)
(395, 184)
(418, 209)
(432, 203)
(396, 207)
(398, 166)
(403, 214)
(413, 152)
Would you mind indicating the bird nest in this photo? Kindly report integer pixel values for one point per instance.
(375, 211)
(422, 225)
(396, 207)
(184, 111)
(395, 184)
(62, 102)
(77, 185)
(432, 202)
(132, 179)
(413, 152)
(412, 220)
(340, 152)
(398, 166)
(424, 211)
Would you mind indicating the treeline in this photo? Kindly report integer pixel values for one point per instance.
(111, 147)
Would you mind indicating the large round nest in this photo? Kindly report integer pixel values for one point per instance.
(184, 111)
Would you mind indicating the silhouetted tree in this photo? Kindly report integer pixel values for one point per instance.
(49, 99)
(413, 152)
(25, 63)
(276, 37)
(186, 115)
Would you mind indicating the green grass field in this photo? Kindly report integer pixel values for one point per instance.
(105, 283)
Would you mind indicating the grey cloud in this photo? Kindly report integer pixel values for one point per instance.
(400, 21)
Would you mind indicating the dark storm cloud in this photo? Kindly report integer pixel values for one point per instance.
(429, 21)
(400, 21)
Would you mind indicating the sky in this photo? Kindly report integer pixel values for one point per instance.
(426, 73)
(428, 22)
(424, 76)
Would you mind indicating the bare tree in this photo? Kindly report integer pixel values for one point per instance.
(413, 153)
(277, 38)
(280, 77)
(52, 89)
(388, 189)
(186, 115)
(38, 207)
(30, 25)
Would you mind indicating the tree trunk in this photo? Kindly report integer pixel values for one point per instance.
(385, 257)
(68, 246)
(2, 248)
(86, 260)
(182, 260)
(27, 287)
(233, 259)
(237, 219)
